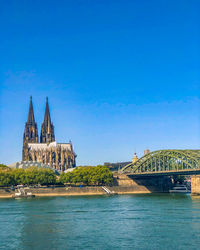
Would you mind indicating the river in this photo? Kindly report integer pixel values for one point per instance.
(150, 221)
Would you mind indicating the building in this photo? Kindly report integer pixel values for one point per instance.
(59, 156)
(28, 164)
(135, 158)
(116, 166)
(119, 165)
(146, 151)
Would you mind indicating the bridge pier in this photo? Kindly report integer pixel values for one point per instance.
(161, 184)
(150, 184)
(195, 184)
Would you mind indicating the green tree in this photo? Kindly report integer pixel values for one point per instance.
(28, 176)
(19, 176)
(6, 179)
(4, 167)
(40, 176)
(88, 175)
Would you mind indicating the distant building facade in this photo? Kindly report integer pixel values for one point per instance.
(28, 164)
(116, 166)
(59, 156)
(119, 165)
(146, 151)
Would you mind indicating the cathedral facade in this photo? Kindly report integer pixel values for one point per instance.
(60, 156)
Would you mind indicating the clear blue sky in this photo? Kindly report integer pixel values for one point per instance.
(120, 75)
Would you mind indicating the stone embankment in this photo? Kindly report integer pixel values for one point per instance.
(195, 184)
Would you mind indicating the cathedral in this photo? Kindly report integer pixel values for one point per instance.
(59, 156)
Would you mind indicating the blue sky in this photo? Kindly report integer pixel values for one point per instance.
(120, 75)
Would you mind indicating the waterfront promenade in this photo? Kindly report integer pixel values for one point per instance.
(75, 191)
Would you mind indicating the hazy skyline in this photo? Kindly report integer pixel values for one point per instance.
(120, 75)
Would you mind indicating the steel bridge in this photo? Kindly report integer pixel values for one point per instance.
(165, 162)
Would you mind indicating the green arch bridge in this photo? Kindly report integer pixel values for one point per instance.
(165, 162)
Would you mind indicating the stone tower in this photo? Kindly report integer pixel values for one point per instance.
(47, 128)
(135, 158)
(30, 131)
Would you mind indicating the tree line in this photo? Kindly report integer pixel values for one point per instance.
(29, 176)
(89, 175)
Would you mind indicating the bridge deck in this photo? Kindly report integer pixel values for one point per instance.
(167, 173)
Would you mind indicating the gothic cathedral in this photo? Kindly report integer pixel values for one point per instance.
(59, 156)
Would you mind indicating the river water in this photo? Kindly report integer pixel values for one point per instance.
(151, 221)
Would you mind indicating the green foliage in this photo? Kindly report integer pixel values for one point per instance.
(39, 176)
(4, 167)
(28, 176)
(6, 179)
(99, 175)
(19, 176)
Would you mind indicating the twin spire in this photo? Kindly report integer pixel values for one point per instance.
(47, 128)
(47, 118)
(31, 118)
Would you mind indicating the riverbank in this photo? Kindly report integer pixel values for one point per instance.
(123, 184)
(75, 191)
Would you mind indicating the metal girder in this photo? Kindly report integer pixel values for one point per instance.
(165, 161)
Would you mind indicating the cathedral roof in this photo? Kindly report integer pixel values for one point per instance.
(44, 146)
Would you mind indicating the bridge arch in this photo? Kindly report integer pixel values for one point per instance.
(161, 161)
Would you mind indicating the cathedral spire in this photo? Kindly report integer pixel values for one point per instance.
(31, 118)
(47, 129)
(30, 131)
(47, 117)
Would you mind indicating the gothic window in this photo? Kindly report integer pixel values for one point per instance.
(43, 158)
(59, 158)
(53, 157)
(47, 156)
(69, 162)
(65, 162)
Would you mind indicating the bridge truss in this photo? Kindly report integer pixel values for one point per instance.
(165, 161)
